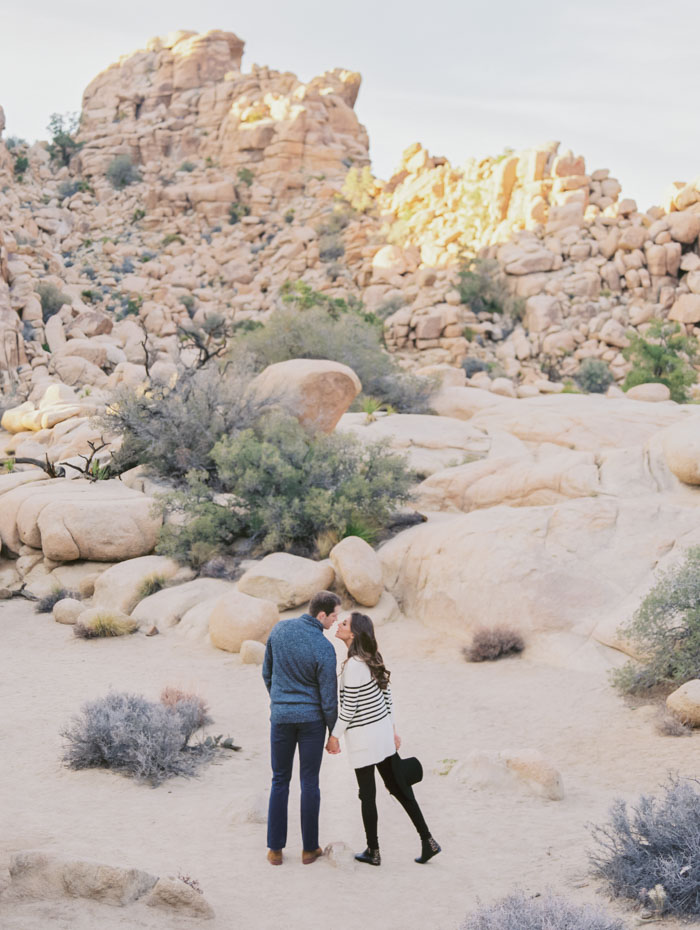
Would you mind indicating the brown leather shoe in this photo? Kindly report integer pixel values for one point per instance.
(308, 857)
(274, 856)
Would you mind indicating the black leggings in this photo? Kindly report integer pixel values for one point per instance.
(368, 800)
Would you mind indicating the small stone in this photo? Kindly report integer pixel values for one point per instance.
(176, 895)
(252, 652)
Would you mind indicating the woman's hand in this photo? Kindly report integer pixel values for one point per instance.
(333, 745)
(397, 741)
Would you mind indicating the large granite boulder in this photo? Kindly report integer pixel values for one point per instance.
(237, 617)
(287, 580)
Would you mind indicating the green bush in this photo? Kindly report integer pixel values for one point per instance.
(283, 486)
(187, 166)
(665, 630)
(663, 356)
(483, 289)
(63, 128)
(246, 176)
(20, 166)
(121, 172)
(237, 211)
(330, 247)
(594, 376)
(339, 330)
(52, 299)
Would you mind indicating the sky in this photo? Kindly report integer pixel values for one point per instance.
(613, 80)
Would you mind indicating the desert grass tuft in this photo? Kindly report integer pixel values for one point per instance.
(104, 625)
(490, 643)
(46, 604)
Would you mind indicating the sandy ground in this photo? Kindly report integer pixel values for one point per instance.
(492, 840)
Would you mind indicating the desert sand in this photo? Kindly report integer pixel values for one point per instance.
(555, 698)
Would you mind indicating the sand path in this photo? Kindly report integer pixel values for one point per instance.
(492, 840)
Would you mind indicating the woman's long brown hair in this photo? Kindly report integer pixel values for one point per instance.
(364, 647)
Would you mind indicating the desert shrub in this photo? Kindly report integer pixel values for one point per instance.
(650, 853)
(489, 643)
(326, 330)
(121, 172)
(67, 189)
(52, 299)
(667, 724)
(483, 289)
(143, 739)
(472, 365)
(170, 238)
(105, 625)
(359, 188)
(246, 176)
(594, 376)
(187, 166)
(174, 429)
(171, 697)
(663, 355)
(63, 128)
(46, 604)
(151, 585)
(665, 630)
(330, 247)
(281, 485)
(518, 911)
(21, 163)
(237, 211)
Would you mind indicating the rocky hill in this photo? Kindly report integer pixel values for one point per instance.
(237, 182)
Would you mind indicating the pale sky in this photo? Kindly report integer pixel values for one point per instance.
(614, 80)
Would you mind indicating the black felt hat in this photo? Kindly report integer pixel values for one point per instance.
(407, 772)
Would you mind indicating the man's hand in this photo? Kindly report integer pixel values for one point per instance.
(333, 745)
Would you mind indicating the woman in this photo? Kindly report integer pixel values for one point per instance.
(366, 719)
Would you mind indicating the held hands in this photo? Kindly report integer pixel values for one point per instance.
(397, 741)
(333, 745)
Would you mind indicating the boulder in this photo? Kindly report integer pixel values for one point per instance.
(70, 520)
(120, 587)
(359, 568)
(652, 393)
(684, 702)
(67, 610)
(526, 768)
(430, 443)
(287, 580)
(556, 567)
(684, 226)
(177, 897)
(462, 403)
(686, 309)
(317, 392)
(167, 607)
(252, 652)
(236, 617)
(681, 449)
(512, 480)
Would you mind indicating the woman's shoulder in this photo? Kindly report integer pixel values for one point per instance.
(356, 669)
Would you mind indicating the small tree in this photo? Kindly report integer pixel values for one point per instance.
(663, 356)
(665, 630)
(63, 128)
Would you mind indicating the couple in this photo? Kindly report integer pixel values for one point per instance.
(299, 671)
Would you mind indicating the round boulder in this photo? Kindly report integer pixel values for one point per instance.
(653, 392)
(684, 702)
(681, 445)
(316, 391)
(236, 617)
(252, 652)
(359, 567)
(67, 610)
(288, 580)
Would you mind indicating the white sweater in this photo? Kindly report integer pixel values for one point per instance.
(366, 716)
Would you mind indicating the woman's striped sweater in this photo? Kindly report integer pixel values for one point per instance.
(365, 715)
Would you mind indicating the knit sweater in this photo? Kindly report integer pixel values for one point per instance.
(299, 671)
(366, 717)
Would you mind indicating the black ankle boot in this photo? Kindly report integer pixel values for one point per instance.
(370, 856)
(429, 848)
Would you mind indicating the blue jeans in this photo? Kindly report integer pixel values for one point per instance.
(284, 739)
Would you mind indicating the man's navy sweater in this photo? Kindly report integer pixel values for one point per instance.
(300, 673)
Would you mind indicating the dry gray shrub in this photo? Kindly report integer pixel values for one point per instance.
(650, 852)
(517, 911)
(146, 740)
(667, 724)
(46, 604)
(490, 643)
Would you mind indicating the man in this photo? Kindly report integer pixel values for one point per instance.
(299, 671)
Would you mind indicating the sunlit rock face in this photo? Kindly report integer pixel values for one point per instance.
(185, 95)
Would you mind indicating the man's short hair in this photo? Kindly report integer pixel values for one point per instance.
(324, 602)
